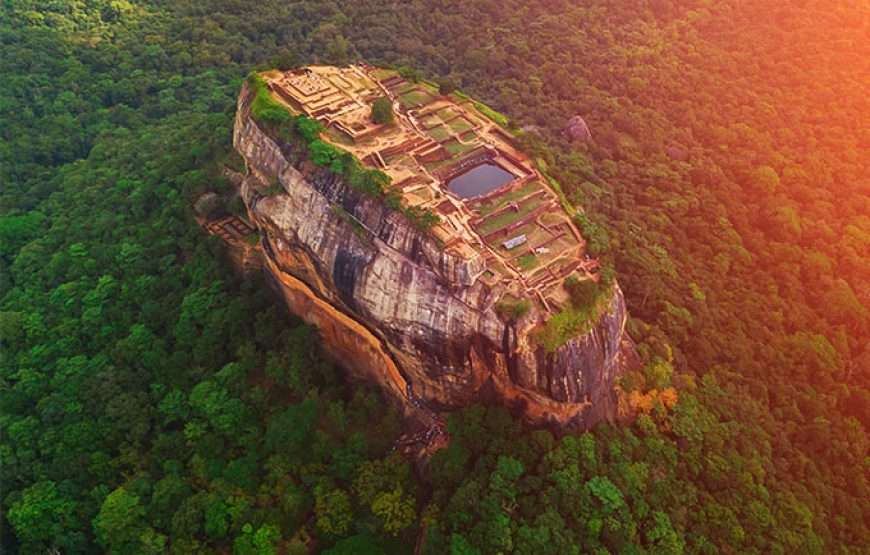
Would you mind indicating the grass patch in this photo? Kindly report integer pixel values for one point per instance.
(448, 112)
(506, 218)
(337, 136)
(264, 108)
(460, 125)
(489, 207)
(415, 98)
(455, 148)
(431, 86)
(527, 261)
(431, 120)
(439, 133)
(405, 87)
(380, 74)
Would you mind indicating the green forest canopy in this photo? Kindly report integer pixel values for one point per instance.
(150, 401)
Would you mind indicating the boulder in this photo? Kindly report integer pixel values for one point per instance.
(206, 204)
(577, 130)
(678, 153)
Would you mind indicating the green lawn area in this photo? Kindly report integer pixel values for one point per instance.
(527, 262)
(460, 125)
(455, 147)
(449, 161)
(507, 217)
(337, 137)
(493, 205)
(405, 87)
(553, 219)
(430, 120)
(415, 98)
(429, 86)
(380, 74)
(438, 133)
(448, 112)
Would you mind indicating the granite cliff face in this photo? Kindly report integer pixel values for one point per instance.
(394, 307)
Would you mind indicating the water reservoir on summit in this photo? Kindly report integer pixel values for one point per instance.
(479, 180)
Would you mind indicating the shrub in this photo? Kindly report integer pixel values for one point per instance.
(264, 108)
(309, 129)
(597, 239)
(446, 86)
(583, 292)
(589, 300)
(513, 309)
(421, 218)
(495, 116)
(382, 111)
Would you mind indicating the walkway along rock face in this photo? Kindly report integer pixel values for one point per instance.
(393, 307)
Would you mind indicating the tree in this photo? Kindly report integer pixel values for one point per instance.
(217, 517)
(121, 526)
(261, 542)
(382, 111)
(285, 61)
(44, 519)
(361, 544)
(289, 430)
(583, 292)
(662, 537)
(332, 510)
(606, 492)
(395, 510)
(460, 546)
(381, 476)
(446, 86)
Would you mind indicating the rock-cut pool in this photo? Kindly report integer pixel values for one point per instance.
(479, 180)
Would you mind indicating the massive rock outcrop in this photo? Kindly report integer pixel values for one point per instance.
(393, 306)
(577, 130)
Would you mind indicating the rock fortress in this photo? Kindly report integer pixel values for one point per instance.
(453, 284)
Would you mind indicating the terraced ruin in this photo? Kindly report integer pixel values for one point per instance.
(444, 154)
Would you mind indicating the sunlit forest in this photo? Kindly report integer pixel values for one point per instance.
(153, 401)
